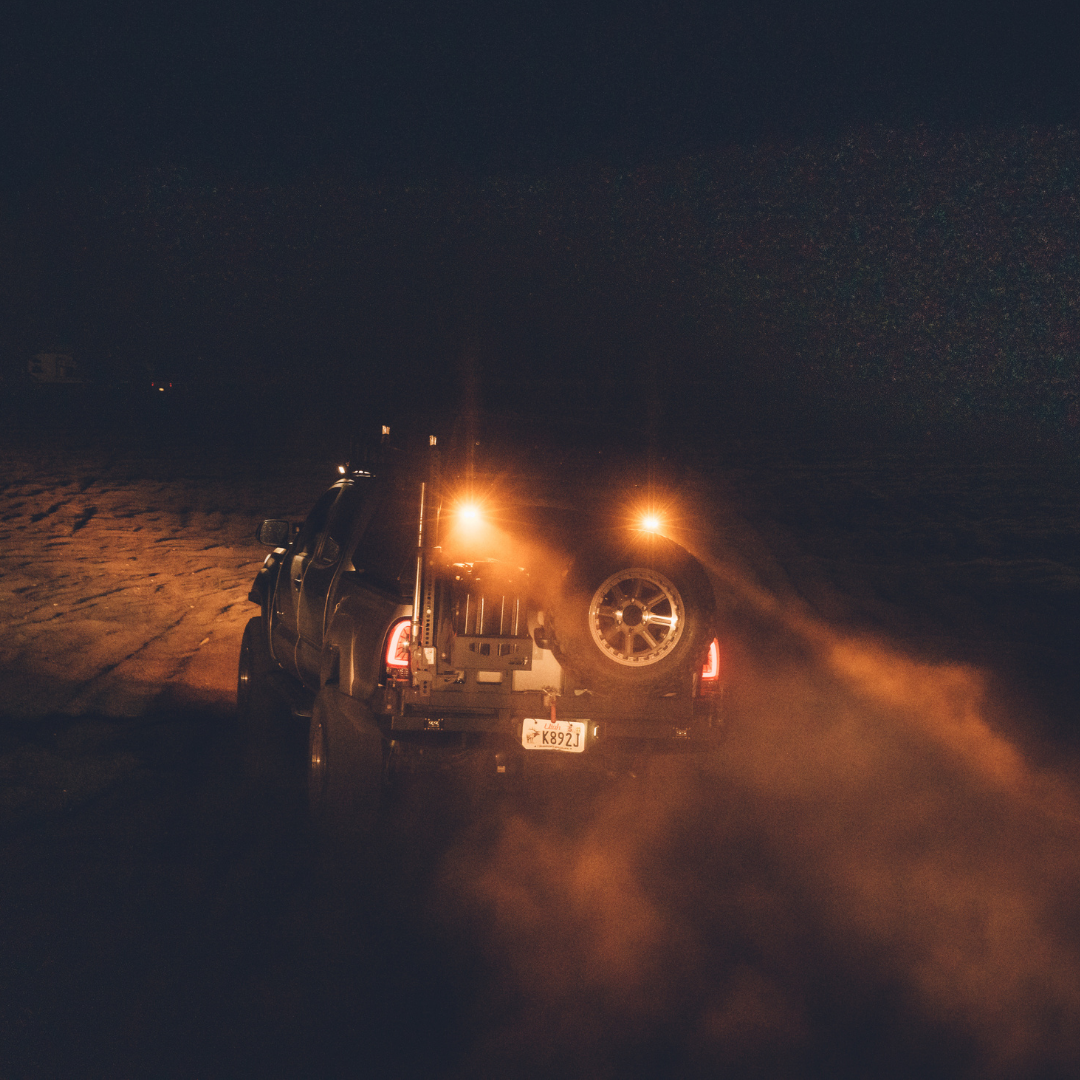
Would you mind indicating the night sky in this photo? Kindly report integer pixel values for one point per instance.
(724, 211)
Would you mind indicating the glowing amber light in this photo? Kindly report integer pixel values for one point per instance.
(469, 513)
(650, 523)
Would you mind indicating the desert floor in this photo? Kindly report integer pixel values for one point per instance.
(879, 875)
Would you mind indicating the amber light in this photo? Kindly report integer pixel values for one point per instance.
(469, 524)
(397, 645)
(711, 671)
(650, 523)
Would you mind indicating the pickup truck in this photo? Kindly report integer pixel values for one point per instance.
(423, 618)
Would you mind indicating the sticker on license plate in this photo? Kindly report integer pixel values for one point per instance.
(567, 735)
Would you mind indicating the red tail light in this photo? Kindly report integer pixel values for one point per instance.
(710, 672)
(397, 647)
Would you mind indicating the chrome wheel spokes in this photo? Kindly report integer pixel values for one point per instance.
(636, 616)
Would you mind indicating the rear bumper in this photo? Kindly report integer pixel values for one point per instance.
(662, 723)
(476, 746)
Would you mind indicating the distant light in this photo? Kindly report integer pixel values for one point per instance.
(650, 523)
(431, 439)
(386, 429)
(469, 513)
(161, 389)
(341, 469)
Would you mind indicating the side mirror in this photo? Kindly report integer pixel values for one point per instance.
(274, 533)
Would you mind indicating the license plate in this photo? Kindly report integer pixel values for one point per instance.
(566, 735)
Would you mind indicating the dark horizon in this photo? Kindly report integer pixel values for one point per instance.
(903, 281)
(805, 215)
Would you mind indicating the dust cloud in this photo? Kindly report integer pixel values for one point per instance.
(871, 878)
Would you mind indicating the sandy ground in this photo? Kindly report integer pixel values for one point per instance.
(877, 877)
(123, 589)
(117, 590)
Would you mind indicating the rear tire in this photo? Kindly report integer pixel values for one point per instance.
(344, 775)
(270, 737)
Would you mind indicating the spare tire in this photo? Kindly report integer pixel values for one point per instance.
(634, 616)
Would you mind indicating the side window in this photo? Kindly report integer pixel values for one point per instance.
(307, 541)
(387, 551)
(338, 526)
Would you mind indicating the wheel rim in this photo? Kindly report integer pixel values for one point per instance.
(316, 764)
(243, 679)
(636, 617)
